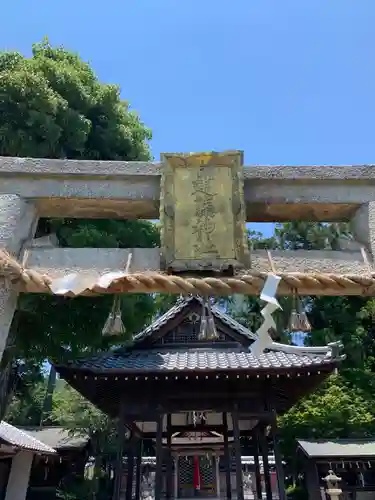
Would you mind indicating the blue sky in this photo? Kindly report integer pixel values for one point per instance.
(289, 82)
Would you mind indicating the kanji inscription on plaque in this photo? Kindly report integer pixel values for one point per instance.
(202, 212)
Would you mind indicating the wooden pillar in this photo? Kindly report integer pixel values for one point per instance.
(258, 480)
(175, 476)
(266, 466)
(18, 481)
(312, 479)
(217, 473)
(169, 458)
(138, 471)
(278, 460)
(120, 449)
(227, 458)
(237, 448)
(159, 457)
(129, 476)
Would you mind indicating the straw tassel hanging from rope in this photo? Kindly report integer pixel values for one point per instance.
(114, 325)
(207, 329)
(298, 322)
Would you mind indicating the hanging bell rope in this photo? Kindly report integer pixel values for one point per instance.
(298, 322)
(114, 325)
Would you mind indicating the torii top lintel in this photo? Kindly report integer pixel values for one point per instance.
(42, 187)
(131, 189)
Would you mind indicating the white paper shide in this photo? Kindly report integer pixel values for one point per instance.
(75, 284)
(268, 294)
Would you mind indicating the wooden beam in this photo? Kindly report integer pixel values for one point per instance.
(152, 435)
(140, 411)
(71, 188)
(197, 428)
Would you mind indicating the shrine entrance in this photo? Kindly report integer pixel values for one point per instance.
(196, 457)
(208, 486)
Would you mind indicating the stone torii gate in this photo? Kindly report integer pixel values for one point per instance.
(203, 201)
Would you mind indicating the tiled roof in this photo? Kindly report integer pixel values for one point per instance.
(205, 358)
(342, 448)
(232, 323)
(20, 439)
(57, 437)
(180, 305)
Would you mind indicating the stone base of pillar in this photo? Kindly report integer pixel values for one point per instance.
(334, 494)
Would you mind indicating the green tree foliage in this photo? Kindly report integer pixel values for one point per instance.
(69, 409)
(82, 418)
(25, 405)
(53, 106)
(337, 409)
(78, 415)
(343, 406)
(300, 235)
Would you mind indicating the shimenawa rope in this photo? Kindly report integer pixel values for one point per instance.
(248, 284)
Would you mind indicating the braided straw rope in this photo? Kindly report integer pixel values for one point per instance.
(15, 272)
(247, 284)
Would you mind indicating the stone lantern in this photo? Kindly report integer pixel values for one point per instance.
(333, 490)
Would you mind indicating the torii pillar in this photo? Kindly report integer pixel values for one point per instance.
(18, 221)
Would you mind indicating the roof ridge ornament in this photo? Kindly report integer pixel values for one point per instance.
(335, 348)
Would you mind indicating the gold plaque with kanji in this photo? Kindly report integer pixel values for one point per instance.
(202, 212)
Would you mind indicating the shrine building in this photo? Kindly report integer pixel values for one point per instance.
(191, 383)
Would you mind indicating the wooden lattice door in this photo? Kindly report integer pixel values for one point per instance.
(207, 477)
